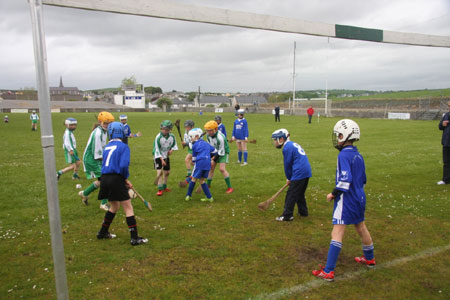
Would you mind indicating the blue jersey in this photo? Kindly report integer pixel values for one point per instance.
(350, 204)
(240, 129)
(296, 163)
(116, 158)
(222, 129)
(126, 132)
(201, 155)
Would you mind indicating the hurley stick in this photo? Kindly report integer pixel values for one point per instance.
(265, 204)
(147, 204)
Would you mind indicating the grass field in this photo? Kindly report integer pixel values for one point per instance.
(229, 249)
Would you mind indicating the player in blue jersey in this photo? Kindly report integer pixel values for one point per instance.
(201, 158)
(297, 170)
(127, 129)
(240, 135)
(70, 149)
(114, 184)
(349, 198)
(221, 127)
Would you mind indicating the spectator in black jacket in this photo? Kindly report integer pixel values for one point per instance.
(444, 126)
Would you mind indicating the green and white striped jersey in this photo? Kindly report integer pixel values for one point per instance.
(69, 142)
(219, 141)
(96, 143)
(163, 144)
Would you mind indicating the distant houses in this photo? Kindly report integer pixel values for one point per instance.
(215, 101)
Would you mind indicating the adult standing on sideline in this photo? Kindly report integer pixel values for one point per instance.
(444, 126)
(277, 113)
(310, 112)
(236, 108)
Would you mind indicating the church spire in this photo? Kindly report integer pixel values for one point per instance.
(61, 85)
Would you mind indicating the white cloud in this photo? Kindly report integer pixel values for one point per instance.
(94, 50)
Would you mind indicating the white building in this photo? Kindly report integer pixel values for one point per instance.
(131, 98)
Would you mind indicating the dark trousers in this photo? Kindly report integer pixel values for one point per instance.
(446, 160)
(296, 194)
(309, 118)
(277, 117)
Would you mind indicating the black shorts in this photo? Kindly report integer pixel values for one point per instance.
(113, 188)
(159, 166)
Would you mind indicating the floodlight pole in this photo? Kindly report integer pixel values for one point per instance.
(48, 148)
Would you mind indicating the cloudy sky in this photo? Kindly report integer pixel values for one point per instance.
(96, 50)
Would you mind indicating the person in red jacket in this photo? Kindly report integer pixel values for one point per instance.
(310, 112)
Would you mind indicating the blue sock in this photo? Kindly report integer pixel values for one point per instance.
(245, 156)
(240, 156)
(190, 188)
(333, 253)
(188, 179)
(368, 252)
(206, 190)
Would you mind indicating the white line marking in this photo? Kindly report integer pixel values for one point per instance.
(319, 282)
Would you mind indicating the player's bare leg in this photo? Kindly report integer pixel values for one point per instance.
(165, 178)
(367, 245)
(159, 180)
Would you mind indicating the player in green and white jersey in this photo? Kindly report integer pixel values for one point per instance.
(188, 125)
(163, 147)
(93, 155)
(34, 120)
(70, 149)
(218, 140)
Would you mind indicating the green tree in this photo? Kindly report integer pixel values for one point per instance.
(164, 103)
(129, 81)
(191, 96)
(153, 90)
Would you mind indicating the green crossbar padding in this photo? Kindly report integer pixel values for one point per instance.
(359, 33)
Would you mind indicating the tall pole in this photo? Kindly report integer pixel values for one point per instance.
(326, 79)
(48, 148)
(293, 82)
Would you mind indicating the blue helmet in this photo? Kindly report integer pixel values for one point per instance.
(123, 117)
(70, 121)
(115, 130)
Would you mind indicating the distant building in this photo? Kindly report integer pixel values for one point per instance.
(62, 93)
(214, 100)
(249, 100)
(133, 96)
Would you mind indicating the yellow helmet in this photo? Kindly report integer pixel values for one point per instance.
(211, 125)
(105, 116)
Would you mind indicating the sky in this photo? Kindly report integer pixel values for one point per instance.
(93, 50)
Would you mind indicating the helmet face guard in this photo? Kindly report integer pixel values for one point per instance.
(280, 134)
(344, 130)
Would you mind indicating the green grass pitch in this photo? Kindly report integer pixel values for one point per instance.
(228, 249)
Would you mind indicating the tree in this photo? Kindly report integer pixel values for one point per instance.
(191, 96)
(129, 81)
(153, 90)
(164, 103)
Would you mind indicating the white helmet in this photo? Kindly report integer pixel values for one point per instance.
(280, 133)
(241, 111)
(70, 121)
(195, 132)
(349, 130)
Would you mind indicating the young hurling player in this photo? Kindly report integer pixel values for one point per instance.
(221, 127)
(115, 184)
(349, 198)
(70, 149)
(218, 140)
(188, 125)
(240, 135)
(201, 158)
(163, 147)
(297, 170)
(93, 155)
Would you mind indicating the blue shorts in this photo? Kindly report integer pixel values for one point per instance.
(347, 211)
(200, 173)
